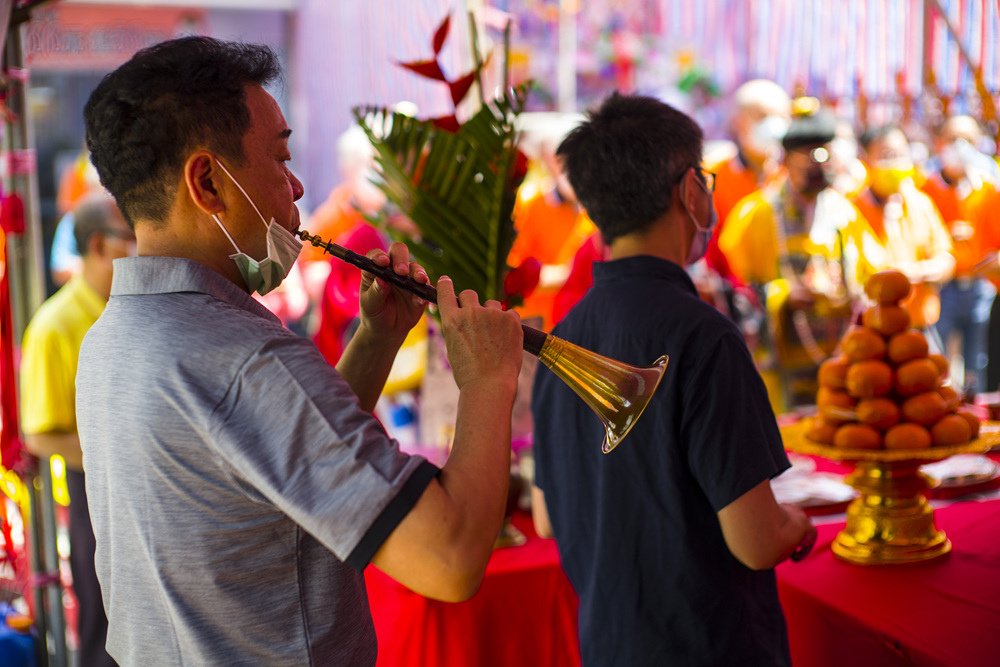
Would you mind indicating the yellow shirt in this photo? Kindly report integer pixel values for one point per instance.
(749, 238)
(49, 355)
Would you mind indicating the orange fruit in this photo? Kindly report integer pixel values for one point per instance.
(833, 372)
(907, 436)
(861, 343)
(886, 319)
(950, 396)
(888, 287)
(821, 430)
(868, 379)
(941, 362)
(835, 406)
(973, 419)
(906, 346)
(925, 408)
(917, 376)
(880, 413)
(951, 430)
(857, 436)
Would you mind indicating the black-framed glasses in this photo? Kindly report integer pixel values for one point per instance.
(707, 177)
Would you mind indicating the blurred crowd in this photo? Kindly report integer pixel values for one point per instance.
(808, 207)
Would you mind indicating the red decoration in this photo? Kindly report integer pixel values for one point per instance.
(12, 214)
(522, 281)
(431, 69)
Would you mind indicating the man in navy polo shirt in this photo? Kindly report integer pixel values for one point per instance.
(671, 539)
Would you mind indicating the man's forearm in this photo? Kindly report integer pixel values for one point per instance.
(365, 365)
(66, 445)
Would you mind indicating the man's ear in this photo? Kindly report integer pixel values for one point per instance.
(688, 190)
(203, 178)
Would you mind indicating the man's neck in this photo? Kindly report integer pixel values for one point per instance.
(665, 238)
(97, 277)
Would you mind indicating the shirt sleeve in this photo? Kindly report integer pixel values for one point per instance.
(293, 430)
(732, 439)
(47, 379)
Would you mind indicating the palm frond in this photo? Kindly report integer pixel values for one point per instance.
(457, 188)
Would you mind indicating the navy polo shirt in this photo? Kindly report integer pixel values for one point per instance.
(637, 528)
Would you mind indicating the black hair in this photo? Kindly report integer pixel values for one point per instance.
(873, 134)
(625, 160)
(144, 118)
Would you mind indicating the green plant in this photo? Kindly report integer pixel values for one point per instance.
(456, 182)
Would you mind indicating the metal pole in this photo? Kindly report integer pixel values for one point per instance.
(27, 287)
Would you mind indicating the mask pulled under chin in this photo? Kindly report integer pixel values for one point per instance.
(283, 249)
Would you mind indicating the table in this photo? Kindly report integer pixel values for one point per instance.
(945, 612)
(524, 614)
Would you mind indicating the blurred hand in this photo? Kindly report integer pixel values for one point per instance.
(386, 309)
(805, 545)
(484, 342)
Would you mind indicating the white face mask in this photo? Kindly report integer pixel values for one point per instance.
(702, 235)
(283, 249)
(766, 135)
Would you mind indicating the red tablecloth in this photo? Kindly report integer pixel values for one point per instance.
(524, 614)
(945, 612)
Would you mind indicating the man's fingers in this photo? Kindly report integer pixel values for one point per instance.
(468, 298)
(494, 304)
(446, 301)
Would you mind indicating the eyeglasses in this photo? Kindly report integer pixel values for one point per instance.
(709, 178)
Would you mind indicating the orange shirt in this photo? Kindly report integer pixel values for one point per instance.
(331, 219)
(917, 235)
(986, 223)
(551, 231)
(960, 217)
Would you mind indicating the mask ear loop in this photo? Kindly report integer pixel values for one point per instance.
(237, 184)
(225, 231)
(697, 226)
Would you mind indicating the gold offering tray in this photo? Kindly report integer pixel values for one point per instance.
(890, 522)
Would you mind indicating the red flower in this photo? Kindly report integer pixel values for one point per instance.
(523, 280)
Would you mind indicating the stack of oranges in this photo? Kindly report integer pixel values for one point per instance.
(884, 389)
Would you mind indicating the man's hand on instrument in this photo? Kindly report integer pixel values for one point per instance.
(484, 342)
(386, 309)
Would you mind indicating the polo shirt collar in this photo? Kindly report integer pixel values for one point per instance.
(166, 275)
(645, 267)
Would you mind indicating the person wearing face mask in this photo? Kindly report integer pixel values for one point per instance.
(49, 357)
(960, 183)
(761, 110)
(238, 484)
(685, 504)
(911, 236)
(799, 243)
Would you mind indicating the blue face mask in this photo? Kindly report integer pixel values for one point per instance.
(702, 235)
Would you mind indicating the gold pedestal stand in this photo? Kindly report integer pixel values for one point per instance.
(891, 521)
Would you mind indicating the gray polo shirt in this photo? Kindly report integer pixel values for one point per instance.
(236, 487)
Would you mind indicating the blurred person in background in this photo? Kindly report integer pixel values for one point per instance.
(49, 357)
(551, 224)
(75, 184)
(911, 234)
(960, 183)
(759, 117)
(799, 243)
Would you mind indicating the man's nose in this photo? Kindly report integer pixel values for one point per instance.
(297, 189)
